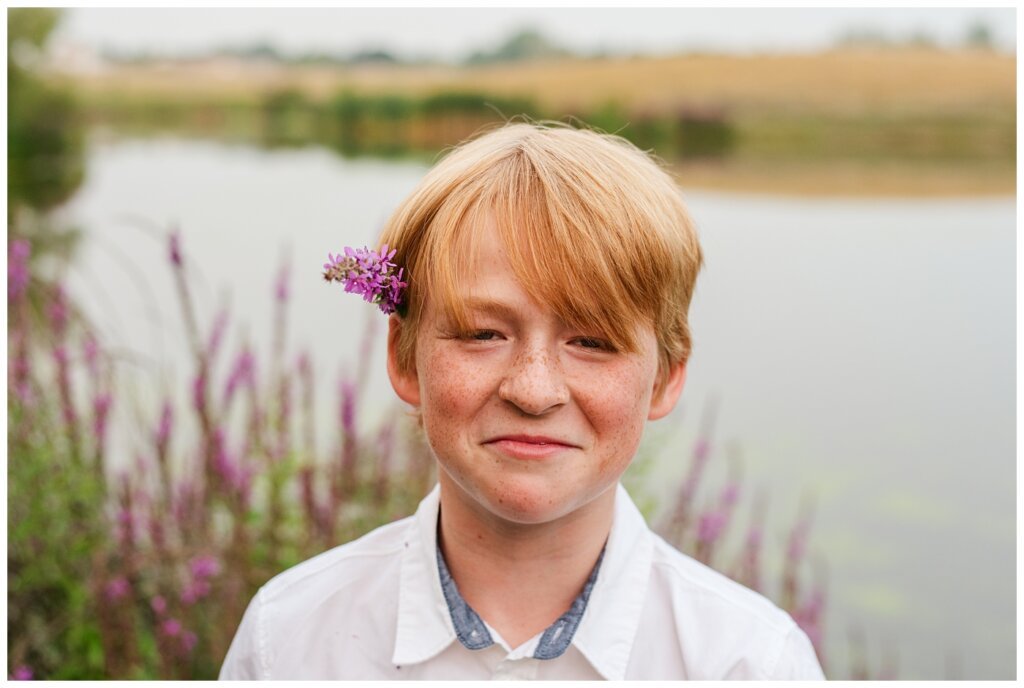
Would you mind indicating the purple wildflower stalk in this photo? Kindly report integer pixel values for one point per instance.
(22, 673)
(809, 617)
(220, 325)
(310, 506)
(241, 373)
(19, 375)
(349, 439)
(713, 524)
(284, 441)
(281, 286)
(161, 442)
(382, 467)
(202, 569)
(162, 436)
(100, 412)
(748, 571)
(18, 253)
(234, 477)
(91, 353)
(680, 519)
(174, 249)
(157, 529)
(795, 550)
(254, 438)
(369, 273)
(201, 380)
(58, 312)
(67, 406)
(305, 369)
(116, 588)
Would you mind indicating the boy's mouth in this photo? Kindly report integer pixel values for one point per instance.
(529, 446)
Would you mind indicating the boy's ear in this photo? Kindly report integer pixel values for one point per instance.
(662, 403)
(405, 384)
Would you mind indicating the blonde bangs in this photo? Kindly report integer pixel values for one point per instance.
(593, 228)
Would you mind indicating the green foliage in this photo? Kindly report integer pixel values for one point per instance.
(979, 35)
(55, 529)
(32, 25)
(45, 140)
(527, 44)
(689, 133)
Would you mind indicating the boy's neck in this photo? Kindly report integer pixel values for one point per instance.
(520, 577)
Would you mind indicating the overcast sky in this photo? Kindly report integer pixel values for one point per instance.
(452, 33)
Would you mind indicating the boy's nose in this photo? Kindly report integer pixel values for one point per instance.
(534, 383)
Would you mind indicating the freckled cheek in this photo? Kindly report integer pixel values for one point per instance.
(450, 389)
(618, 413)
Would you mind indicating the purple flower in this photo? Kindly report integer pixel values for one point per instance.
(163, 431)
(188, 641)
(18, 252)
(117, 588)
(281, 288)
(101, 409)
(125, 521)
(220, 324)
(58, 310)
(364, 271)
(170, 627)
(195, 591)
(199, 392)
(242, 372)
(22, 373)
(755, 537)
(348, 407)
(234, 475)
(175, 248)
(701, 449)
(159, 605)
(22, 673)
(710, 526)
(91, 350)
(798, 539)
(730, 494)
(205, 566)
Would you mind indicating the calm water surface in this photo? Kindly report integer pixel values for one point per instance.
(861, 352)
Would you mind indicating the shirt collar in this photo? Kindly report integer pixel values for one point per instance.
(424, 625)
(473, 633)
(612, 614)
(605, 636)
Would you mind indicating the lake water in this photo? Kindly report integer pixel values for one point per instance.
(858, 351)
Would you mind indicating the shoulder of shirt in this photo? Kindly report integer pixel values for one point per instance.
(694, 578)
(342, 565)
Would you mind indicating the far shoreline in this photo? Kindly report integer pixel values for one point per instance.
(847, 179)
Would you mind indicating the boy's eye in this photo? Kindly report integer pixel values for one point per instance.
(483, 335)
(593, 343)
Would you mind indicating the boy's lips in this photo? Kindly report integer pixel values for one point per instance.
(529, 446)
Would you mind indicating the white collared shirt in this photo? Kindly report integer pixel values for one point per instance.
(374, 609)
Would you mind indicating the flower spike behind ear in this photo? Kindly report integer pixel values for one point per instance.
(364, 271)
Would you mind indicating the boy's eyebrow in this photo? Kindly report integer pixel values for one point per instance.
(490, 307)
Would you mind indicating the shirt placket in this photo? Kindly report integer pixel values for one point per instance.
(522, 669)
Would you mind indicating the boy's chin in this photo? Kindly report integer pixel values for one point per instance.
(533, 502)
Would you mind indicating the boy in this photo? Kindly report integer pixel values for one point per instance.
(549, 274)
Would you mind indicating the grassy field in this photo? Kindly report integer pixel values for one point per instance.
(848, 80)
(847, 122)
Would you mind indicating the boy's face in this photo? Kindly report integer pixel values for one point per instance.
(529, 418)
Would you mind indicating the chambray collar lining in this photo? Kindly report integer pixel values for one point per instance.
(472, 632)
